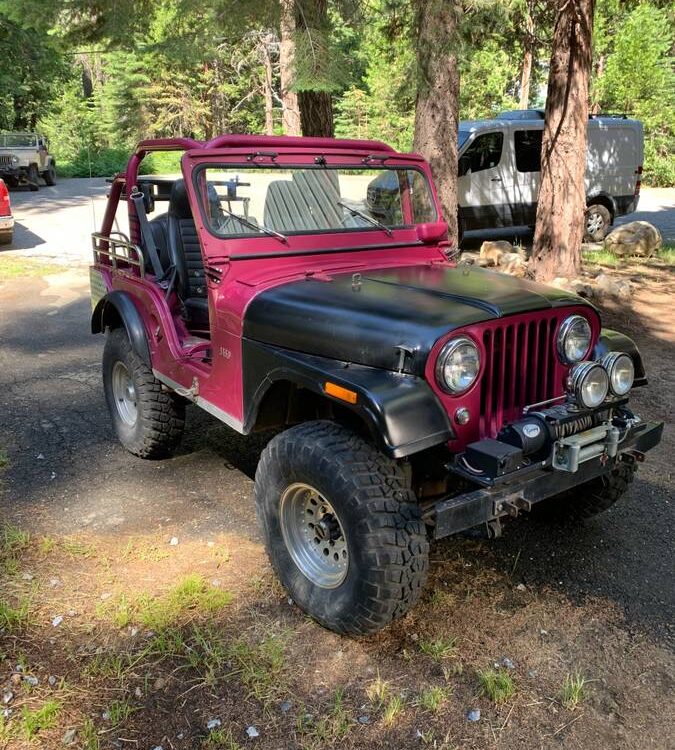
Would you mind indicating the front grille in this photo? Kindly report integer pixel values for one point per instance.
(521, 368)
(5, 160)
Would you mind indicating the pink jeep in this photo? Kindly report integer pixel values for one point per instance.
(307, 285)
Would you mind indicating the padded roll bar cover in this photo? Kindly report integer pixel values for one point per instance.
(401, 410)
(613, 341)
(115, 309)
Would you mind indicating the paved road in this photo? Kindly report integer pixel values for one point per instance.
(57, 222)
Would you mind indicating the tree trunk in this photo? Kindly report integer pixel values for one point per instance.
(291, 112)
(267, 88)
(526, 74)
(437, 105)
(562, 195)
(315, 105)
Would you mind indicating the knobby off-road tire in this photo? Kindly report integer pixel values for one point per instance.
(597, 223)
(596, 496)
(33, 178)
(148, 421)
(378, 539)
(49, 176)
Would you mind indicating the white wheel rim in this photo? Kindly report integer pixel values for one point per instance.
(124, 394)
(313, 535)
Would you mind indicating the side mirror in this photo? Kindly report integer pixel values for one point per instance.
(432, 232)
(464, 166)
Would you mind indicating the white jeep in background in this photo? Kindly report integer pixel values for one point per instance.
(24, 158)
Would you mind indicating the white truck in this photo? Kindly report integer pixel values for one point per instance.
(24, 158)
(500, 162)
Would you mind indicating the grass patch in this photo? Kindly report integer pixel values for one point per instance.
(38, 719)
(573, 690)
(106, 665)
(602, 257)
(440, 648)
(47, 545)
(432, 698)
(13, 542)
(16, 267)
(90, 740)
(119, 711)
(377, 692)
(220, 739)
(329, 729)
(497, 685)
(260, 667)
(393, 707)
(4, 460)
(77, 548)
(14, 619)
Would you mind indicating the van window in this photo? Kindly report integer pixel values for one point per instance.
(484, 153)
(528, 150)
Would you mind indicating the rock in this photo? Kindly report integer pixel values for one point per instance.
(157, 747)
(581, 288)
(173, 541)
(513, 264)
(521, 587)
(138, 693)
(635, 238)
(285, 707)
(473, 715)
(57, 621)
(27, 576)
(160, 683)
(52, 680)
(470, 258)
(252, 732)
(31, 680)
(7, 697)
(54, 582)
(532, 673)
(106, 595)
(364, 719)
(40, 457)
(15, 679)
(619, 288)
(69, 737)
(506, 663)
(213, 724)
(491, 251)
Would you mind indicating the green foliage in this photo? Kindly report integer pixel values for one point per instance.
(496, 684)
(34, 721)
(637, 78)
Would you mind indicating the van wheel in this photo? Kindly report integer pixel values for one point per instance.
(341, 526)
(598, 222)
(33, 177)
(148, 421)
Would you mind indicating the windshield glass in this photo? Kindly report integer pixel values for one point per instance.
(245, 201)
(463, 136)
(14, 140)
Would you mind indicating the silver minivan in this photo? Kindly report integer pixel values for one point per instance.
(499, 170)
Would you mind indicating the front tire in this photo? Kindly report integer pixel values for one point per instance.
(33, 178)
(598, 222)
(594, 497)
(147, 420)
(342, 528)
(49, 176)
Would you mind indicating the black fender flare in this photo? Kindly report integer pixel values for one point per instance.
(402, 412)
(115, 309)
(613, 341)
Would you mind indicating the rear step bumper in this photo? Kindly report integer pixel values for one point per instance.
(488, 504)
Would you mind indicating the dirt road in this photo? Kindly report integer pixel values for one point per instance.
(597, 600)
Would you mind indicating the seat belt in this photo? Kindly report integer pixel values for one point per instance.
(146, 233)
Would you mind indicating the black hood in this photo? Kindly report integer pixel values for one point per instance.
(364, 320)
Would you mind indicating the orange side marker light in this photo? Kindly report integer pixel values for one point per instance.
(337, 391)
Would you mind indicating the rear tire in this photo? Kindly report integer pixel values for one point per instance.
(6, 238)
(590, 499)
(598, 221)
(147, 420)
(342, 528)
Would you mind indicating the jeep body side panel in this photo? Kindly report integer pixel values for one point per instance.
(402, 413)
(613, 341)
(368, 320)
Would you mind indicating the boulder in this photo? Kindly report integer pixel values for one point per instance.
(618, 288)
(636, 238)
(514, 265)
(491, 251)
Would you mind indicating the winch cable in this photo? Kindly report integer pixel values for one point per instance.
(146, 233)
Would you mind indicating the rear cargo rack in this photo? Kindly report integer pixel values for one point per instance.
(118, 249)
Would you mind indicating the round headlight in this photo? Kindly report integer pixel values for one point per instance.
(621, 372)
(458, 365)
(14, 159)
(574, 339)
(588, 382)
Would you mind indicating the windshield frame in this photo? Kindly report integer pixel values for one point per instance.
(289, 163)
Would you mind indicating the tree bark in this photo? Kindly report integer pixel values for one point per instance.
(526, 74)
(562, 194)
(291, 112)
(267, 88)
(315, 105)
(437, 105)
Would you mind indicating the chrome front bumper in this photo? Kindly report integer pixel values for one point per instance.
(6, 223)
